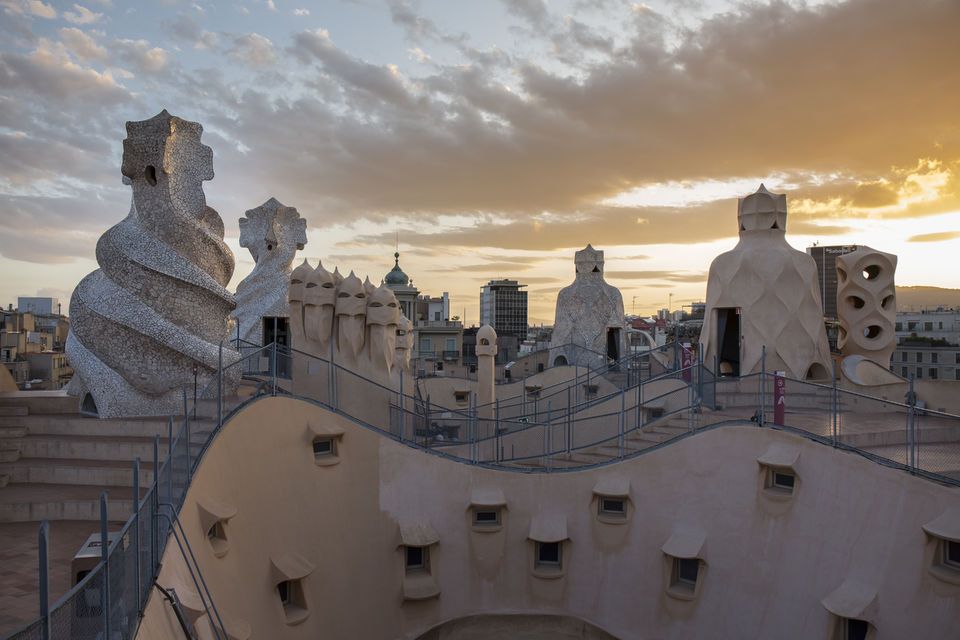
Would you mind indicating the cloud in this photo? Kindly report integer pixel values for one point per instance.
(81, 44)
(186, 29)
(492, 267)
(939, 236)
(81, 15)
(35, 8)
(271, 5)
(48, 73)
(254, 49)
(380, 82)
(301, 12)
(533, 12)
(144, 58)
(672, 276)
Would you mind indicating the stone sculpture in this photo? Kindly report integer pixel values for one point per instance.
(589, 315)
(273, 233)
(157, 308)
(764, 293)
(867, 304)
(404, 346)
(353, 328)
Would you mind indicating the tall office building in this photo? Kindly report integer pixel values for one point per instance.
(504, 307)
(38, 306)
(826, 259)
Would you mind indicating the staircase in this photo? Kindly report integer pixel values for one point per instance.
(53, 466)
(652, 434)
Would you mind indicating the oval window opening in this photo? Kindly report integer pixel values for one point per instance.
(872, 331)
(871, 272)
(856, 301)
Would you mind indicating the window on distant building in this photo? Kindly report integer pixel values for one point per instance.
(957, 373)
(928, 326)
(903, 356)
(933, 373)
(898, 327)
(919, 373)
(903, 372)
(451, 344)
(956, 357)
(911, 326)
(919, 356)
(934, 357)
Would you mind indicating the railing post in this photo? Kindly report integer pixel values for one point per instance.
(105, 559)
(43, 540)
(716, 374)
(761, 418)
(136, 529)
(273, 368)
(640, 406)
(496, 439)
(834, 408)
(155, 508)
(699, 375)
(623, 419)
(549, 433)
(912, 425)
(220, 386)
(170, 460)
(331, 372)
(186, 433)
(427, 426)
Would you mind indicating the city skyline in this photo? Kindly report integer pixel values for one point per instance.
(494, 139)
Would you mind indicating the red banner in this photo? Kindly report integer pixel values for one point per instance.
(686, 361)
(779, 397)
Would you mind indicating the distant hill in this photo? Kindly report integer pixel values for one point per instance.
(917, 298)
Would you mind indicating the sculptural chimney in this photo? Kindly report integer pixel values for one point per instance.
(764, 293)
(486, 379)
(155, 313)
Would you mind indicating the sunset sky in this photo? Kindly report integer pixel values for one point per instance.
(494, 138)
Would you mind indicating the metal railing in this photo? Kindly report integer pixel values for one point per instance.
(573, 434)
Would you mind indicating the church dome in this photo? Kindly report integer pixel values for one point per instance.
(396, 276)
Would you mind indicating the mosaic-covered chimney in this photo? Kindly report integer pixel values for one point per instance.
(157, 308)
(273, 233)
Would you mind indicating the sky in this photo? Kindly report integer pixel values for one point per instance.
(494, 138)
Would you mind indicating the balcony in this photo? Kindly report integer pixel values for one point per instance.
(451, 355)
(439, 324)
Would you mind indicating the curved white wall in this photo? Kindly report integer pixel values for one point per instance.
(768, 562)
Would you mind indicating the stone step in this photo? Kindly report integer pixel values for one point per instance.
(33, 503)
(90, 447)
(12, 433)
(102, 473)
(41, 402)
(9, 453)
(13, 410)
(74, 424)
(4, 480)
